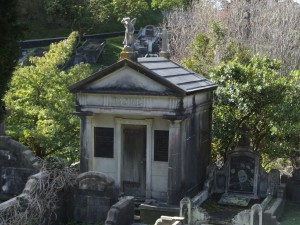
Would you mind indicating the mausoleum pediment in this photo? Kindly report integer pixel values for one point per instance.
(148, 76)
(125, 77)
(126, 80)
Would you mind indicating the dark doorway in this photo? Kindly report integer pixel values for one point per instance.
(134, 160)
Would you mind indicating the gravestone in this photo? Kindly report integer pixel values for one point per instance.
(185, 210)
(95, 195)
(256, 215)
(293, 186)
(273, 181)
(242, 171)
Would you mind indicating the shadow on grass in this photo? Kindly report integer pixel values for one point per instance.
(291, 214)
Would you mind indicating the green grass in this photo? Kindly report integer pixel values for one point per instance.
(291, 214)
(212, 205)
(75, 223)
(112, 51)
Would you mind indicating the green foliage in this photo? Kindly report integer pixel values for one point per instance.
(285, 133)
(101, 9)
(84, 15)
(202, 57)
(167, 5)
(253, 98)
(71, 11)
(207, 51)
(130, 8)
(41, 105)
(112, 50)
(10, 32)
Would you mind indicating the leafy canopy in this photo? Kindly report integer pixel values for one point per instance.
(167, 5)
(252, 97)
(247, 100)
(41, 105)
(84, 14)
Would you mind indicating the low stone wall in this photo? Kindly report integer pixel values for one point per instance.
(272, 215)
(168, 220)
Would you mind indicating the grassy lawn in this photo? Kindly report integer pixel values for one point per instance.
(291, 214)
(112, 50)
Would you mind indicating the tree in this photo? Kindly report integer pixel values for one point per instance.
(252, 97)
(85, 14)
(169, 4)
(129, 8)
(270, 29)
(284, 138)
(11, 32)
(72, 12)
(41, 105)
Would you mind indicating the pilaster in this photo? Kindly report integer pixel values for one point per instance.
(85, 143)
(174, 171)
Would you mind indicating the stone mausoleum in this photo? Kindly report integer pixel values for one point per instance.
(146, 123)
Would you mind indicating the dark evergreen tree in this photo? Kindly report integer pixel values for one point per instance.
(10, 34)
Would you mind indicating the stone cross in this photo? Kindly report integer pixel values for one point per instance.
(129, 31)
(164, 35)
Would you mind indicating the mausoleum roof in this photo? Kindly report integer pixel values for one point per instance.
(178, 80)
(183, 78)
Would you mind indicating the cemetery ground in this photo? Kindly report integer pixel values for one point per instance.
(291, 214)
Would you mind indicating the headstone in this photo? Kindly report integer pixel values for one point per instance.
(256, 215)
(242, 174)
(296, 175)
(242, 171)
(185, 210)
(220, 182)
(273, 181)
(95, 195)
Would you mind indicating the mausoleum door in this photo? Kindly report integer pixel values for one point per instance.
(134, 160)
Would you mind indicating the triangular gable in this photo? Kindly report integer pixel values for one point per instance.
(126, 77)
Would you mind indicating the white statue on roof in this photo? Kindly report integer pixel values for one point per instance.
(129, 31)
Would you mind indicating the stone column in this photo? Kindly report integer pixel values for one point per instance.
(174, 171)
(85, 143)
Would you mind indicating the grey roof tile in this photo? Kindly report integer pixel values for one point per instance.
(179, 76)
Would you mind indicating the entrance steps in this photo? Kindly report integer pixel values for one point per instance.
(137, 215)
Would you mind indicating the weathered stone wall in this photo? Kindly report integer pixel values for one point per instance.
(196, 141)
(17, 163)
